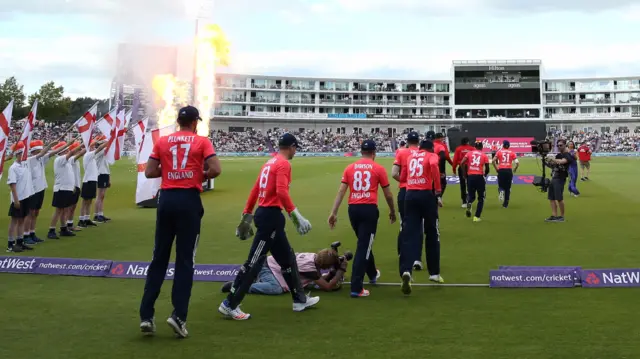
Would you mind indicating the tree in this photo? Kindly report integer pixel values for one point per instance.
(11, 89)
(52, 104)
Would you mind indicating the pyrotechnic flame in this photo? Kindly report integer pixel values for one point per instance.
(164, 86)
(171, 95)
(212, 50)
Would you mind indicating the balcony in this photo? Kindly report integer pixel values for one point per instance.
(265, 100)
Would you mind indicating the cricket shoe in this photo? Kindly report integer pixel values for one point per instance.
(417, 265)
(178, 325)
(406, 283)
(468, 212)
(464, 205)
(374, 281)
(311, 301)
(477, 219)
(13, 248)
(235, 314)
(363, 293)
(436, 279)
(25, 247)
(148, 327)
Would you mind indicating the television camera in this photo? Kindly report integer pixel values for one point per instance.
(542, 148)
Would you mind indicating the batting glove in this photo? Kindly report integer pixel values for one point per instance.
(303, 226)
(244, 230)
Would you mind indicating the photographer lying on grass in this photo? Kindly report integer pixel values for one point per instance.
(271, 282)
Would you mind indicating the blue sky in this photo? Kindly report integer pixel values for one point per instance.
(73, 42)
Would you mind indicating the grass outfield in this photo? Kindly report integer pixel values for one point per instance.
(70, 317)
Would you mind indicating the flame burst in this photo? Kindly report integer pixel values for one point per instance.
(164, 86)
(212, 50)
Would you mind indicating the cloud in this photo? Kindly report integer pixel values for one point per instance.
(459, 7)
(419, 63)
(105, 8)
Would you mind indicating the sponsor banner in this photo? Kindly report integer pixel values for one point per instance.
(201, 272)
(606, 278)
(577, 271)
(107, 268)
(517, 144)
(346, 115)
(55, 266)
(508, 67)
(17, 264)
(497, 85)
(517, 179)
(411, 117)
(539, 278)
(288, 114)
(70, 266)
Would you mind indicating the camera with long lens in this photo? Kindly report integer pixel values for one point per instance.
(347, 254)
(541, 148)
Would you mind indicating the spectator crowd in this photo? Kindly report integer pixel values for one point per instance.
(328, 140)
(619, 140)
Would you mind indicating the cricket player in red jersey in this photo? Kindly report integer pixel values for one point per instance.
(362, 178)
(503, 163)
(584, 155)
(179, 160)
(461, 152)
(271, 191)
(477, 169)
(440, 149)
(421, 215)
(399, 173)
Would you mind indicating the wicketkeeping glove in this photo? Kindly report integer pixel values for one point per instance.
(244, 230)
(303, 226)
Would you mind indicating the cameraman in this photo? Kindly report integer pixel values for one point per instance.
(271, 282)
(560, 171)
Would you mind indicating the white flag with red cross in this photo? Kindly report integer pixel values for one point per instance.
(27, 130)
(86, 123)
(5, 128)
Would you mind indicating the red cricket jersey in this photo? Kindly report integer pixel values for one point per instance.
(447, 154)
(505, 158)
(422, 171)
(363, 178)
(182, 155)
(461, 152)
(272, 186)
(401, 160)
(476, 161)
(584, 153)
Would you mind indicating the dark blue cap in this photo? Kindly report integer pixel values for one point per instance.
(190, 113)
(288, 140)
(431, 135)
(426, 145)
(413, 136)
(439, 135)
(368, 145)
(506, 143)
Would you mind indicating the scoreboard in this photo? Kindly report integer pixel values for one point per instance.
(494, 83)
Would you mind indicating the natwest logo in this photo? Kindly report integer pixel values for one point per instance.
(118, 270)
(514, 86)
(16, 264)
(479, 86)
(592, 279)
